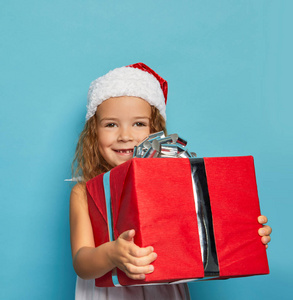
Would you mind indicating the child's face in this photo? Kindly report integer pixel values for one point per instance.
(123, 122)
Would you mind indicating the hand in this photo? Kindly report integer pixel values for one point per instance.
(265, 231)
(134, 261)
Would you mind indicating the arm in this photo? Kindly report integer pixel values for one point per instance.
(265, 231)
(93, 262)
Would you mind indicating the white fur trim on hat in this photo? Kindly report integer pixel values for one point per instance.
(126, 81)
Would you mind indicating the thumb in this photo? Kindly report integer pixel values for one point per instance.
(128, 235)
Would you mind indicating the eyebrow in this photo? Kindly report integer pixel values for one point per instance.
(107, 119)
(115, 119)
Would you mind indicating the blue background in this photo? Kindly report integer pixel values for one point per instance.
(229, 68)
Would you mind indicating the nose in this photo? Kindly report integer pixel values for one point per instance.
(125, 134)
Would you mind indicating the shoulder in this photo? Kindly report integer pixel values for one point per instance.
(79, 189)
(78, 195)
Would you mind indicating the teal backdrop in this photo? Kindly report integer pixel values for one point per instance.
(229, 68)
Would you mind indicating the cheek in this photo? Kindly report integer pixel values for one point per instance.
(101, 149)
(144, 134)
(104, 141)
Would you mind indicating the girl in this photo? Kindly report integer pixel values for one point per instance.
(124, 107)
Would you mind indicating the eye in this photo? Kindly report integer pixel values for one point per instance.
(110, 125)
(140, 124)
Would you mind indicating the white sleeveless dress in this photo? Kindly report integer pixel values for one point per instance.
(86, 290)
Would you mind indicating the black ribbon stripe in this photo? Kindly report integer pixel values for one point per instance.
(204, 218)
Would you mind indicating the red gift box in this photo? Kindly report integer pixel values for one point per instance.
(156, 197)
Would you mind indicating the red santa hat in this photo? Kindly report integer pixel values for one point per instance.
(137, 80)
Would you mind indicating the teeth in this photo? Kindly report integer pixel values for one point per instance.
(125, 151)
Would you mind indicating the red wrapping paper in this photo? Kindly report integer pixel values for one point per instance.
(155, 197)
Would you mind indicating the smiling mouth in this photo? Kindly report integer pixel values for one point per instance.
(124, 151)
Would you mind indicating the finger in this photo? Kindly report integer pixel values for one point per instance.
(128, 235)
(134, 270)
(143, 261)
(265, 230)
(137, 251)
(265, 239)
(262, 219)
(135, 276)
(268, 229)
